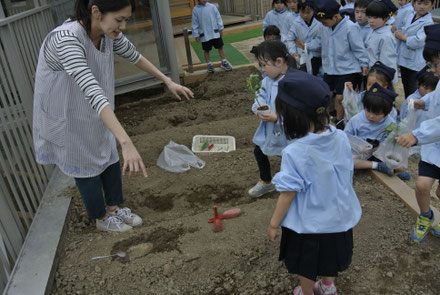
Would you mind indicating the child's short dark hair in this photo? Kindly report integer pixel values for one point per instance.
(361, 3)
(271, 31)
(428, 81)
(270, 50)
(430, 54)
(432, 1)
(376, 104)
(384, 79)
(377, 10)
(302, 5)
(296, 123)
(279, 1)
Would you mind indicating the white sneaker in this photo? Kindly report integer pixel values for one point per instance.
(112, 223)
(260, 189)
(128, 217)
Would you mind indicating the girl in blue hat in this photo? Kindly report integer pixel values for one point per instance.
(317, 207)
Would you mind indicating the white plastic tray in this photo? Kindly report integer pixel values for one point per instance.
(224, 144)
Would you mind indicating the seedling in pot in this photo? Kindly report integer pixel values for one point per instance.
(254, 88)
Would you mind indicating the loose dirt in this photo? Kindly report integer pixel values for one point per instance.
(175, 251)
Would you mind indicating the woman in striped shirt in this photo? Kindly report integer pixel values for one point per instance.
(74, 125)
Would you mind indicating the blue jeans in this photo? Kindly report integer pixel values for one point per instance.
(91, 190)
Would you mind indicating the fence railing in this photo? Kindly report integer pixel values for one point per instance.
(257, 9)
(22, 180)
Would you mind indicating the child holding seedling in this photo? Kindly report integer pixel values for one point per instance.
(372, 125)
(207, 27)
(304, 34)
(381, 44)
(278, 16)
(317, 207)
(428, 136)
(412, 35)
(343, 53)
(269, 140)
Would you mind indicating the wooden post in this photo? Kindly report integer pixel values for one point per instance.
(188, 50)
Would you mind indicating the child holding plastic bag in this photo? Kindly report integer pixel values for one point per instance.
(317, 207)
(269, 139)
(379, 73)
(428, 136)
(371, 125)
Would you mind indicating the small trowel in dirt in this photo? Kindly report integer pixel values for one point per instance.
(218, 226)
(231, 213)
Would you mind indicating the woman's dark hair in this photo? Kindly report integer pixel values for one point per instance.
(362, 3)
(296, 123)
(270, 50)
(382, 78)
(279, 1)
(428, 81)
(430, 54)
(83, 9)
(272, 31)
(377, 10)
(376, 104)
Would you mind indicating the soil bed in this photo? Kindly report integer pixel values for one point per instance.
(176, 251)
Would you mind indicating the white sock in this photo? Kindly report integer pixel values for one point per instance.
(374, 165)
(223, 60)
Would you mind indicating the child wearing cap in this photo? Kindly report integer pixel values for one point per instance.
(426, 83)
(428, 136)
(370, 125)
(207, 27)
(360, 13)
(304, 33)
(317, 207)
(412, 35)
(269, 140)
(406, 7)
(278, 16)
(381, 44)
(344, 57)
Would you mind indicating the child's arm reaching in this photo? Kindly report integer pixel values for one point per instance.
(283, 204)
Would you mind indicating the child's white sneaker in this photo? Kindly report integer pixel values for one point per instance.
(260, 189)
(129, 218)
(112, 223)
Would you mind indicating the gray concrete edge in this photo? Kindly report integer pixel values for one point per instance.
(35, 269)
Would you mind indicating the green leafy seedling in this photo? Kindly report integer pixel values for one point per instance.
(254, 86)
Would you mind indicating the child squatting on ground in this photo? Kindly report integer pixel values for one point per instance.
(344, 57)
(269, 140)
(207, 27)
(317, 207)
(428, 136)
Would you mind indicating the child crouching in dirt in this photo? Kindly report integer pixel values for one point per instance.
(317, 207)
(269, 140)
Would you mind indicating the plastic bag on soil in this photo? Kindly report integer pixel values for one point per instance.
(178, 158)
(389, 151)
(351, 104)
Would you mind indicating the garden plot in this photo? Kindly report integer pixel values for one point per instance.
(176, 251)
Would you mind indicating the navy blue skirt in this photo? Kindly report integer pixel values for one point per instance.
(312, 255)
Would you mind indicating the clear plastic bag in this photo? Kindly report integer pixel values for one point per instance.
(351, 104)
(389, 151)
(360, 149)
(306, 58)
(178, 158)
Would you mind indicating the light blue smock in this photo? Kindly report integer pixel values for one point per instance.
(206, 22)
(360, 126)
(308, 34)
(381, 46)
(365, 32)
(319, 168)
(421, 114)
(343, 51)
(269, 135)
(428, 135)
(411, 52)
(280, 19)
(403, 14)
(390, 21)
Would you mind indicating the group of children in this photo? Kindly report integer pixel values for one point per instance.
(317, 207)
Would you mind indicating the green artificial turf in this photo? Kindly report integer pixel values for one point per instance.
(232, 54)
